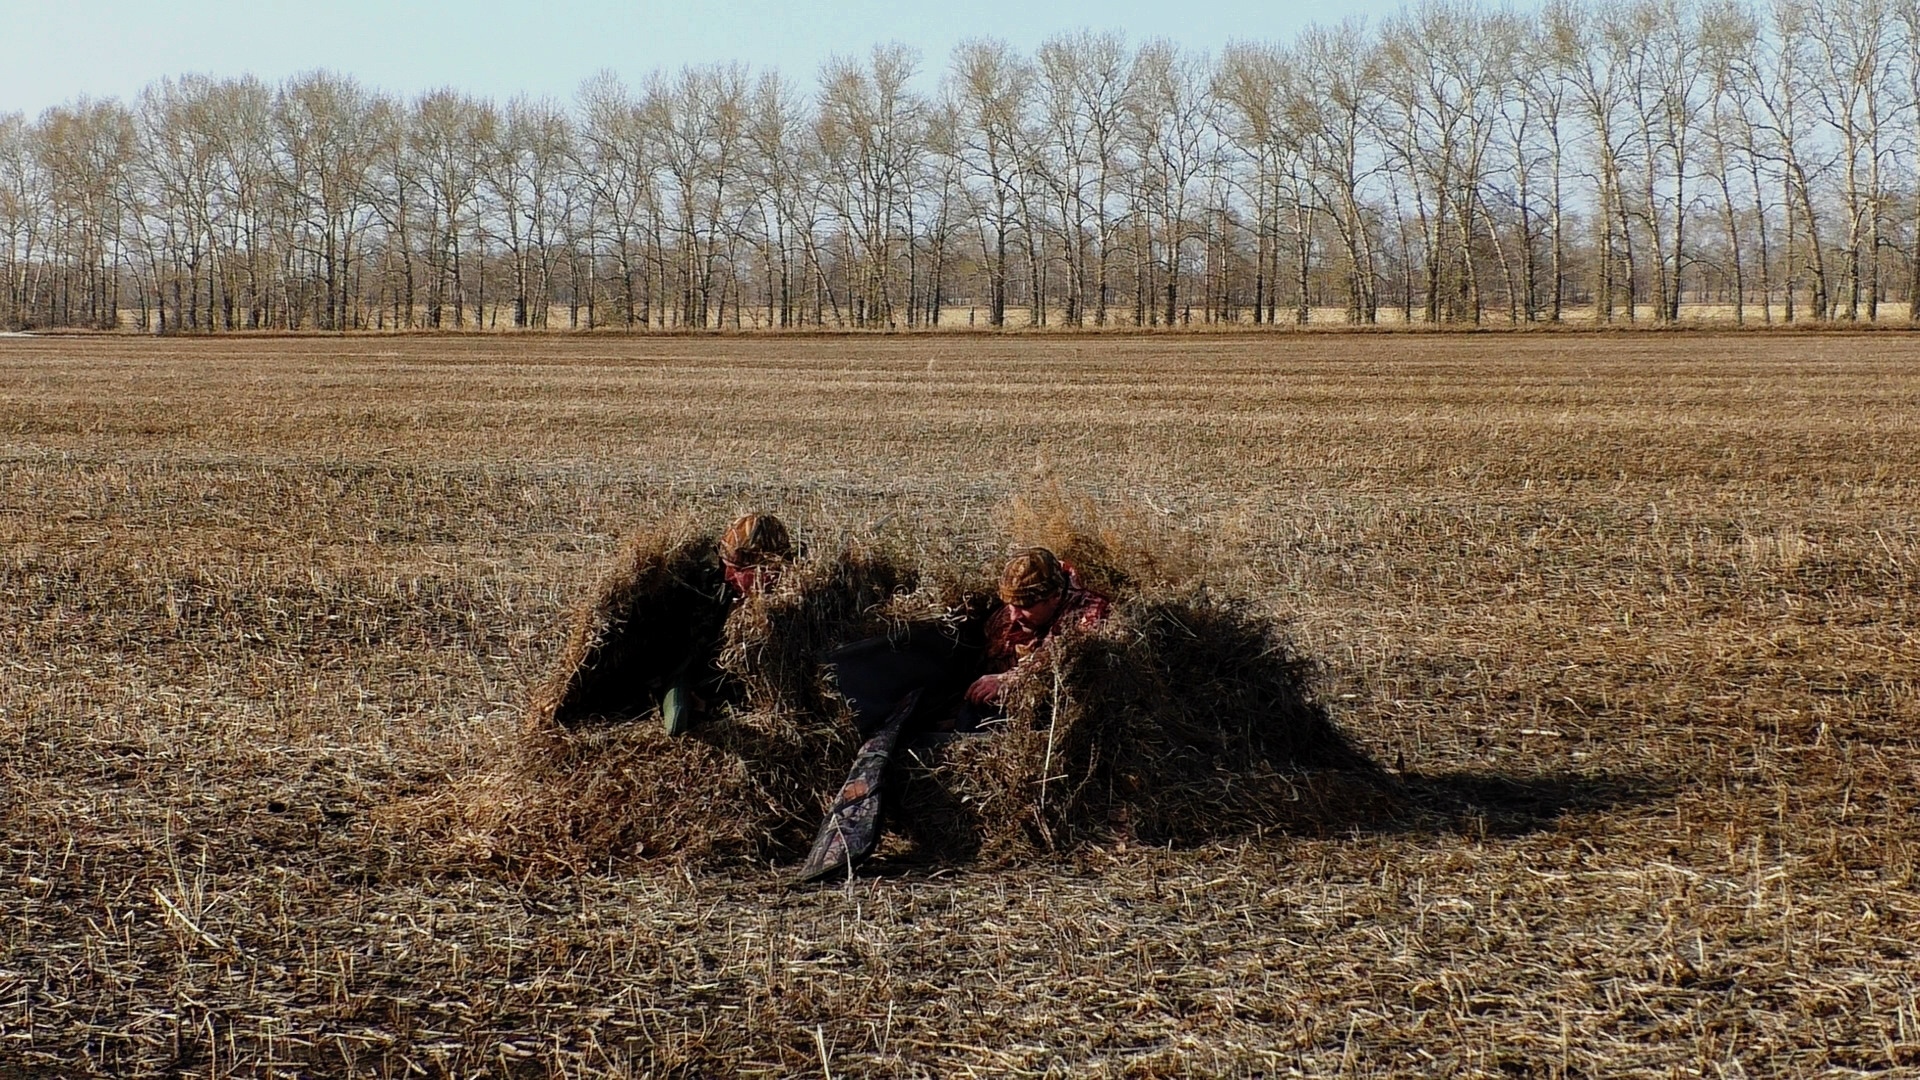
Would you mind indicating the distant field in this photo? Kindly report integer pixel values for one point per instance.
(1646, 603)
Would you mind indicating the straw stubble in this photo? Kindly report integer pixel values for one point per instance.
(1626, 619)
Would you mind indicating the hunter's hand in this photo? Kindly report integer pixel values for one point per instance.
(985, 690)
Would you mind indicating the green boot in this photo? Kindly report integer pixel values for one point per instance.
(676, 709)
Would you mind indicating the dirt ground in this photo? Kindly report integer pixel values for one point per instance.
(1632, 616)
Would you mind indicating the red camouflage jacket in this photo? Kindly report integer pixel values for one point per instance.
(1009, 642)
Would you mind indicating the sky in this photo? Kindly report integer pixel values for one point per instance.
(58, 52)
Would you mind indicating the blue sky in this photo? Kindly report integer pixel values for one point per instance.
(57, 52)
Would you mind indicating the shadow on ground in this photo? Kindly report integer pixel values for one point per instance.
(1357, 802)
(1499, 804)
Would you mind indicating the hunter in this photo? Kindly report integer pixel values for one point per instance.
(887, 680)
(754, 551)
(1040, 595)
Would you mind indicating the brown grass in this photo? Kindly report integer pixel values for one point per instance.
(636, 632)
(1185, 717)
(1628, 618)
(593, 782)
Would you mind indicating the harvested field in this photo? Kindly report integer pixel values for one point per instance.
(1630, 618)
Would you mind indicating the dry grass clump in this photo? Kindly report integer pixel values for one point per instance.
(1118, 546)
(774, 643)
(1189, 717)
(663, 596)
(749, 782)
(1186, 716)
(1632, 616)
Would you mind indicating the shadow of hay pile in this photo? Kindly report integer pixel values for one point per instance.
(1186, 718)
(1482, 804)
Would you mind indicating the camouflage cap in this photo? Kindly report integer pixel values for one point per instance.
(754, 539)
(1031, 577)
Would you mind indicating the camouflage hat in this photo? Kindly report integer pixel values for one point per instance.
(754, 539)
(1031, 577)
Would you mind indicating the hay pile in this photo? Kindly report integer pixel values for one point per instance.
(595, 780)
(662, 602)
(1185, 716)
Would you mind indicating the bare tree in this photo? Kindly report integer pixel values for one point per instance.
(1851, 72)
(868, 128)
(1460, 158)
(1333, 94)
(1660, 48)
(988, 81)
(1086, 81)
(524, 178)
(324, 151)
(241, 141)
(1172, 132)
(1253, 118)
(944, 193)
(777, 166)
(1723, 39)
(444, 129)
(1907, 17)
(1545, 85)
(1444, 67)
(1780, 87)
(86, 152)
(1593, 65)
(180, 166)
(698, 124)
(617, 168)
(22, 221)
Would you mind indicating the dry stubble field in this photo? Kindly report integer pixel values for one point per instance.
(1632, 615)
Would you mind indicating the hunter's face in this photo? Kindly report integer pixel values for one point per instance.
(1038, 616)
(748, 580)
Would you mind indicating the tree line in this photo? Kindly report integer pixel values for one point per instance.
(1608, 160)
